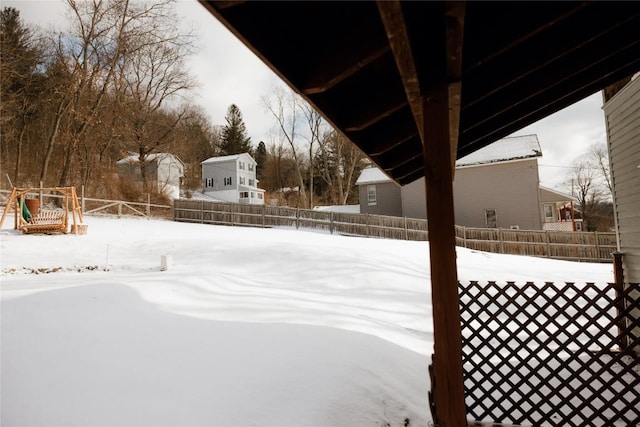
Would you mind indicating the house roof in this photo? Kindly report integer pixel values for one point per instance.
(231, 157)
(506, 149)
(135, 158)
(551, 195)
(372, 175)
(506, 64)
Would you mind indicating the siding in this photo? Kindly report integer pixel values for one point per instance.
(511, 188)
(622, 114)
(388, 199)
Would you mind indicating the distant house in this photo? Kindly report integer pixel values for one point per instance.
(495, 187)
(164, 171)
(559, 211)
(232, 179)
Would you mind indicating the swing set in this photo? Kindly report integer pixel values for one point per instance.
(46, 221)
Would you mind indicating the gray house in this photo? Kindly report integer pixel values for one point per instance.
(495, 187)
(232, 179)
(622, 116)
(164, 171)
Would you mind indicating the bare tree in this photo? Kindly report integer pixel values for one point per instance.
(599, 158)
(152, 78)
(591, 185)
(21, 54)
(338, 163)
(301, 126)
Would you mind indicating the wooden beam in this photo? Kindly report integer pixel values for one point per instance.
(435, 106)
(398, 35)
(331, 78)
(449, 400)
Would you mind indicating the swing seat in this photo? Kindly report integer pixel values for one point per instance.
(47, 222)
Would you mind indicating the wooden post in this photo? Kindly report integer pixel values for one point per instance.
(618, 283)
(406, 230)
(595, 235)
(331, 222)
(464, 235)
(82, 199)
(367, 220)
(449, 401)
(148, 204)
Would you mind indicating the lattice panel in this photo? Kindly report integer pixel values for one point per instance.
(552, 354)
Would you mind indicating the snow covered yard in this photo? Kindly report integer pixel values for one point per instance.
(262, 327)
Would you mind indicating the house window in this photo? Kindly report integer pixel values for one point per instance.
(251, 183)
(227, 180)
(242, 180)
(211, 183)
(251, 167)
(260, 196)
(372, 196)
(253, 195)
(244, 194)
(549, 214)
(241, 165)
(490, 218)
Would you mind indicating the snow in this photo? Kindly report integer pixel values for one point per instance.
(339, 208)
(372, 175)
(505, 149)
(247, 327)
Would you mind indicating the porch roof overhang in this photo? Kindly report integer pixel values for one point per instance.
(417, 85)
(365, 65)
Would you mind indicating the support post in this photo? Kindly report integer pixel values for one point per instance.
(449, 401)
(618, 283)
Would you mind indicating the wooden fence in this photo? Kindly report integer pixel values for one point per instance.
(119, 208)
(576, 246)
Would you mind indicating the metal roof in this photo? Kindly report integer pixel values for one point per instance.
(365, 66)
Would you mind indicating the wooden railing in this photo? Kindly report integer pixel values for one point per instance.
(94, 206)
(576, 246)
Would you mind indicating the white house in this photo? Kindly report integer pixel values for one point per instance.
(164, 170)
(232, 179)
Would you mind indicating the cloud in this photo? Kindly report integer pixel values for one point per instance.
(567, 135)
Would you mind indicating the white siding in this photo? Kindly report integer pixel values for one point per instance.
(622, 114)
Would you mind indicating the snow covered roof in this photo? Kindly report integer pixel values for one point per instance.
(231, 157)
(372, 175)
(339, 208)
(135, 158)
(505, 149)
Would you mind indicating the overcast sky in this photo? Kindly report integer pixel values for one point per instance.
(230, 74)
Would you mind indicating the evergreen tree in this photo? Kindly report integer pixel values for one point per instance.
(234, 134)
(260, 157)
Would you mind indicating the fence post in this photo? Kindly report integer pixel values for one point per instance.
(119, 210)
(367, 220)
(264, 213)
(406, 229)
(464, 235)
(201, 211)
(501, 239)
(148, 204)
(548, 239)
(618, 283)
(331, 222)
(297, 217)
(233, 222)
(598, 257)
